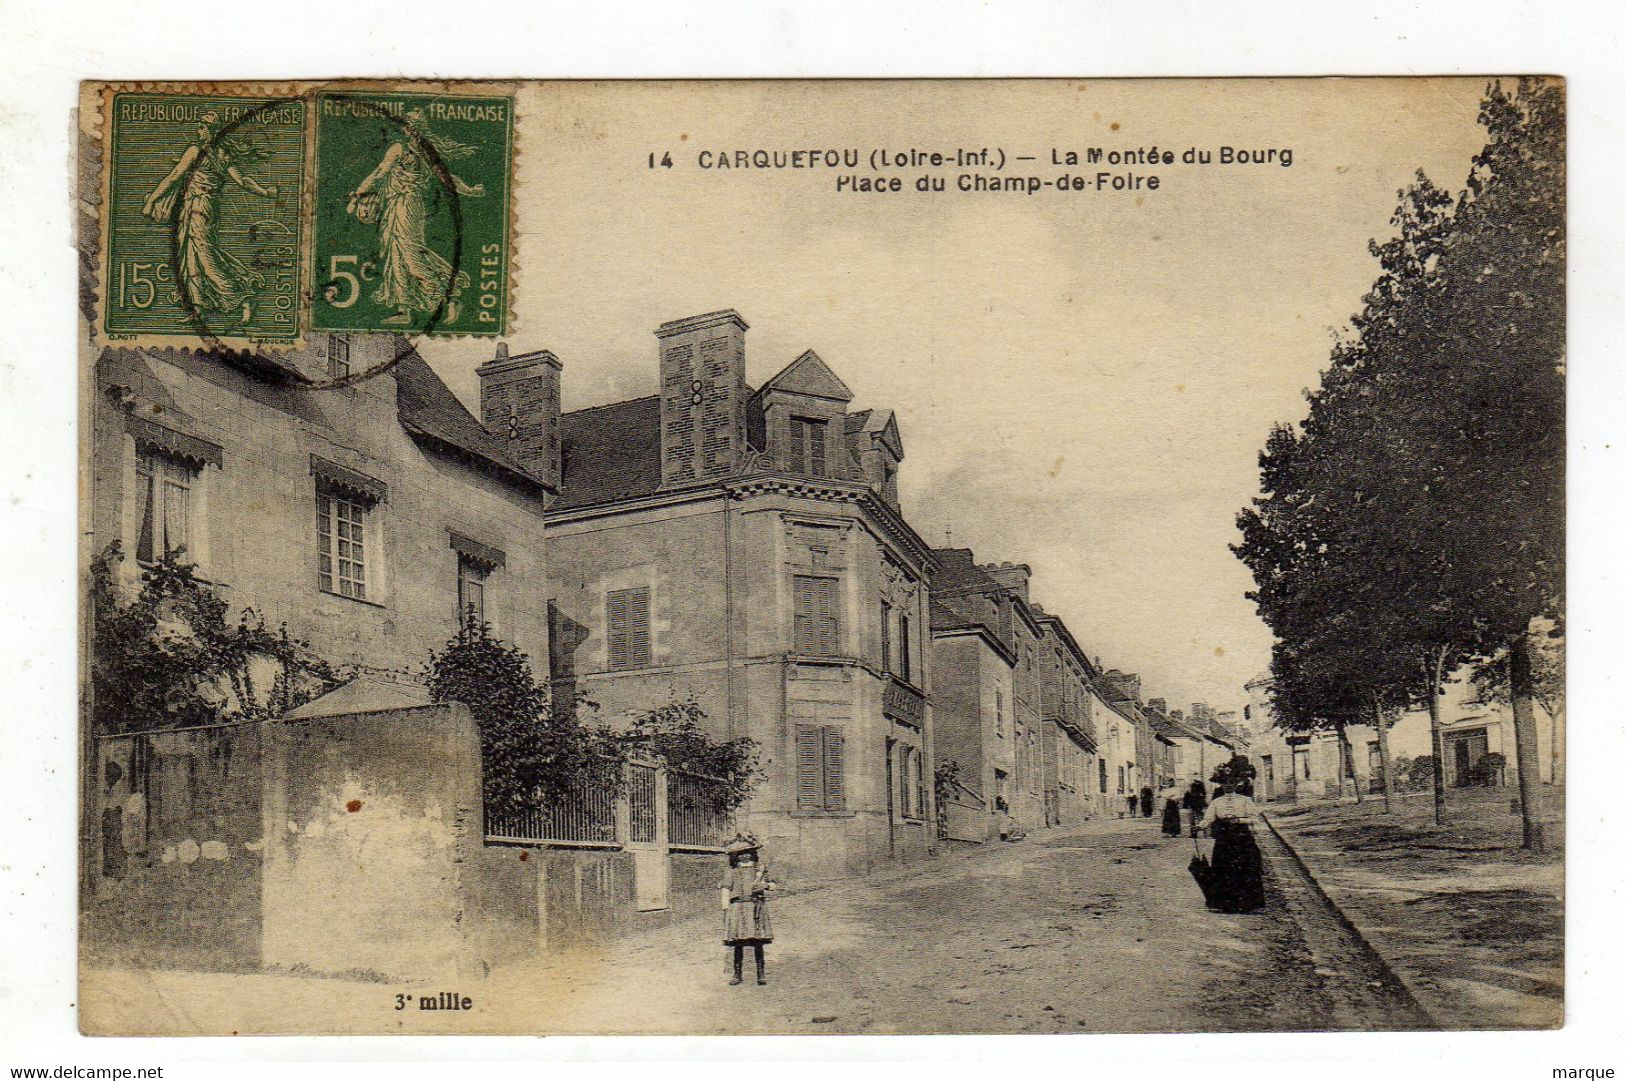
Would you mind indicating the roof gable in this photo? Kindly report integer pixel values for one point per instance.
(809, 375)
(429, 410)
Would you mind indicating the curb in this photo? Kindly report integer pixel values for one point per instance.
(1414, 999)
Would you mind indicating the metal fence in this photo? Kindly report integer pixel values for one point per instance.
(692, 818)
(583, 815)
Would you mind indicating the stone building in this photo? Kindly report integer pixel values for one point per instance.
(1477, 737)
(1131, 739)
(995, 595)
(364, 516)
(746, 549)
(1068, 719)
(973, 666)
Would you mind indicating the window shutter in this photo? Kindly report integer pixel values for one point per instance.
(809, 768)
(919, 785)
(628, 619)
(815, 433)
(834, 769)
(826, 616)
(816, 629)
(885, 637)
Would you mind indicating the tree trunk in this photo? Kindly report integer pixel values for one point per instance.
(1559, 734)
(1435, 677)
(1526, 741)
(1345, 762)
(1382, 753)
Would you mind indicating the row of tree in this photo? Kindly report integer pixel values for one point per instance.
(1413, 521)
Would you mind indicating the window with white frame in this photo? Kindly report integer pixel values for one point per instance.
(164, 504)
(471, 577)
(341, 542)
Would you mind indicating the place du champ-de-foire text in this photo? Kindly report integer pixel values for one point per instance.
(993, 170)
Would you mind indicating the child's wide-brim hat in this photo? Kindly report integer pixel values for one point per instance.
(743, 844)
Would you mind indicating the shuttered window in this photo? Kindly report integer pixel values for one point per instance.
(885, 637)
(807, 446)
(817, 629)
(820, 768)
(919, 784)
(627, 618)
(905, 650)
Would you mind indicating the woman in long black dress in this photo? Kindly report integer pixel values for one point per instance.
(1237, 882)
(1170, 811)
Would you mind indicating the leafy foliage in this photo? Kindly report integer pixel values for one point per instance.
(1414, 520)
(533, 752)
(672, 733)
(944, 785)
(169, 657)
(528, 752)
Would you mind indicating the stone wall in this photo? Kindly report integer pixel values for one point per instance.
(177, 854)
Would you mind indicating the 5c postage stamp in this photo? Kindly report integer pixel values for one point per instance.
(203, 232)
(411, 212)
(247, 217)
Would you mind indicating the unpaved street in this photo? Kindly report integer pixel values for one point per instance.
(1095, 928)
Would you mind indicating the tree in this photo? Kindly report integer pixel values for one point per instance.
(528, 753)
(167, 656)
(1414, 523)
(534, 753)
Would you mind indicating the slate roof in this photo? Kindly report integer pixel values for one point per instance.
(957, 569)
(610, 452)
(429, 410)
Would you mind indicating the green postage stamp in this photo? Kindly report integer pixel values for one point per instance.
(203, 231)
(254, 220)
(411, 214)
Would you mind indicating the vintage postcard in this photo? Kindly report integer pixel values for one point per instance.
(960, 556)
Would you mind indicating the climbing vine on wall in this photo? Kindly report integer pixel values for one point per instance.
(534, 752)
(168, 655)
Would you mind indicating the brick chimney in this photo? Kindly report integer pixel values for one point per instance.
(1012, 576)
(702, 396)
(519, 403)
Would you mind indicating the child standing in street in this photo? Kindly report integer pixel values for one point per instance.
(744, 890)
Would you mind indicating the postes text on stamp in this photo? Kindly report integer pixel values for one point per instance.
(411, 219)
(203, 229)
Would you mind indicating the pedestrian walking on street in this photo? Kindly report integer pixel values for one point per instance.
(1196, 802)
(744, 904)
(1133, 802)
(1146, 804)
(1171, 824)
(1237, 880)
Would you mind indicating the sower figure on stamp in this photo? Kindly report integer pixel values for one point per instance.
(744, 903)
(214, 278)
(414, 277)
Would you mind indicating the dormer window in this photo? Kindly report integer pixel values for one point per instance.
(808, 440)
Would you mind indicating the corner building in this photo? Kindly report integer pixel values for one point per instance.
(746, 548)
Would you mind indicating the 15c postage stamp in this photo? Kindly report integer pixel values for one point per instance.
(203, 232)
(249, 221)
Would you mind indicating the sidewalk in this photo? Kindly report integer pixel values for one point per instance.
(1470, 921)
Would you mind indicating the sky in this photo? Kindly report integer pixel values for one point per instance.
(1082, 380)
